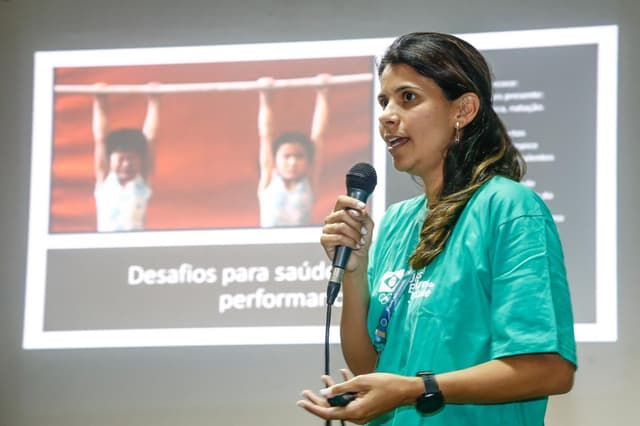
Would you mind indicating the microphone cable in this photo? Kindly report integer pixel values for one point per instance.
(333, 289)
(361, 180)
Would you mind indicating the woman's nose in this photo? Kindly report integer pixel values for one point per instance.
(388, 117)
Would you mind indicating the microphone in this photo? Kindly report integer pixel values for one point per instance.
(361, 180)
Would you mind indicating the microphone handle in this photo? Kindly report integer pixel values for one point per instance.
(341, 256)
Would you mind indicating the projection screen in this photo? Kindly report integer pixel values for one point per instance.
(202, 270)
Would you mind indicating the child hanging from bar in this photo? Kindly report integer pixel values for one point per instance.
(291, 163)
(123, 165)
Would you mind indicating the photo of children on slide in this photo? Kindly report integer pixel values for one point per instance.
(208, 145)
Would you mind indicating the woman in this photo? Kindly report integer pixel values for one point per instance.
(459, 313)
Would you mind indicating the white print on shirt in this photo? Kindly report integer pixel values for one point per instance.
(390, 280)
(417, 288)
(421, 289)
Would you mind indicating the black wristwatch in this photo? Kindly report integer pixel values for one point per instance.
(431, 400)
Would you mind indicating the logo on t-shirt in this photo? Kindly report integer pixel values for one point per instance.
(390, 280)
(388, 283)
(397, 281)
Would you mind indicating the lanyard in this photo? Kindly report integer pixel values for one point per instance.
(380, 334)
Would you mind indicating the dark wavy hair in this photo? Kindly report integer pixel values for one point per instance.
(484, 150)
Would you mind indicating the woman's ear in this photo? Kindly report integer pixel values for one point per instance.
(467, 108)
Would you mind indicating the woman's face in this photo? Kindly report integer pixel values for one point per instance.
(417, 121)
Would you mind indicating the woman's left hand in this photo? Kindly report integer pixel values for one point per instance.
(376, 394)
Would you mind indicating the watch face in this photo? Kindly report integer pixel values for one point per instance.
(430, 402)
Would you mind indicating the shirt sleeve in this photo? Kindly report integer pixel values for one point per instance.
(530, 304)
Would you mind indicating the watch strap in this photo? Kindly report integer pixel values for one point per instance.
(429, 380)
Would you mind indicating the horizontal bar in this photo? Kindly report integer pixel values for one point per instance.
(223, 86)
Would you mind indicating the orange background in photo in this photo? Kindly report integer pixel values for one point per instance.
(206, 158)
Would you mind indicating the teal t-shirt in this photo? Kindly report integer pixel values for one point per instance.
(498, 288)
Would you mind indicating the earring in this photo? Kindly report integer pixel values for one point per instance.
(457, 137)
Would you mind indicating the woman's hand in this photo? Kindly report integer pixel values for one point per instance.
(376, 394)
(328, 381)
(348, 225)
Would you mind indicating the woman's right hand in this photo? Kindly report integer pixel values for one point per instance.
(348, 225)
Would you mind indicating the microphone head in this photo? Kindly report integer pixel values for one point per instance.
(362, 176)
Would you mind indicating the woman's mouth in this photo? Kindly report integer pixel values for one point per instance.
(394, 143)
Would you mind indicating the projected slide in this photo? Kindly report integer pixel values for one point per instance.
(201, 247)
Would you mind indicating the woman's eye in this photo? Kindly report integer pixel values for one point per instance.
(383, 102)
(408, 96)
